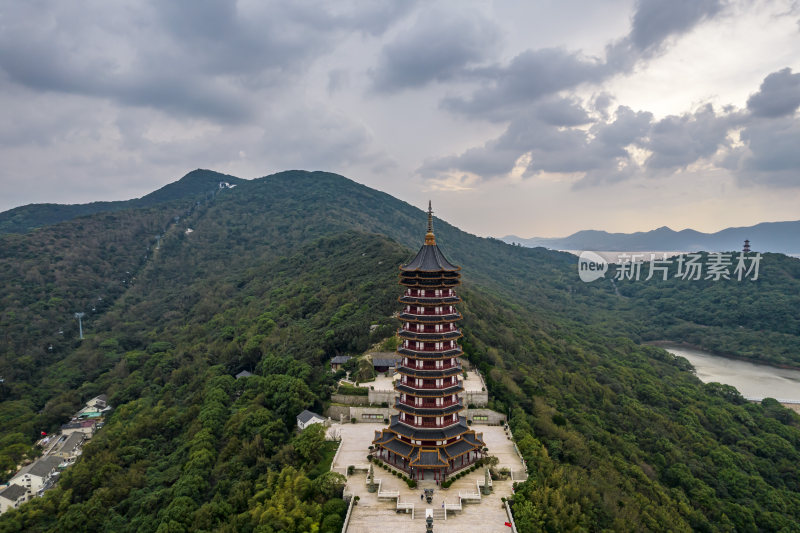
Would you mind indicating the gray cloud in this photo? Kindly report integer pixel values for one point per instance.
(553, 147)
(194, 59)
(506, 89)
(436, 48)
(769, 156)
(562, 112)
(656, 20)
(528, 77)
(678, 141)
(779, 95)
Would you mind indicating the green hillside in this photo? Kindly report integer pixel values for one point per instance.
(284, 272)
(195, 185)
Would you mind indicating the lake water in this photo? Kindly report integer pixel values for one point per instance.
(753, 381)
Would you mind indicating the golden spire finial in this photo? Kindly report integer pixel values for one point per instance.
(429, 238)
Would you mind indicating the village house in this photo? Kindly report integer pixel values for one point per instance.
(338, 361)
(385, 363)
(98, 402)
(306, 418)
(36, 475)
(69, 447)
(87, 427)
(12, 497)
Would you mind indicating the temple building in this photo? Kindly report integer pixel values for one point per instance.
(429, 439)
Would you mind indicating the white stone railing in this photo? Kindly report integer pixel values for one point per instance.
(336, 456)
(510, 517)
(349, 512)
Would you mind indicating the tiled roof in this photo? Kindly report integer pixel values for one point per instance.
(307, 415)
(13, 492)
(428, 457)
(430, 259)
(459, 447)
(399, 447)
(40, 468)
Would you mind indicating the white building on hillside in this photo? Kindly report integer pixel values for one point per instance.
(12, 497)
(306, 418)
(34, 476)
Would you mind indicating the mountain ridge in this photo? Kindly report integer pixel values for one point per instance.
(194, 184)
(779, 237)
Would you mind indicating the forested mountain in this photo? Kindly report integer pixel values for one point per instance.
(194, 185)
(284, 272)
(780, 237)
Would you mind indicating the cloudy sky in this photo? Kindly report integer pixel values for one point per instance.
(534, 118)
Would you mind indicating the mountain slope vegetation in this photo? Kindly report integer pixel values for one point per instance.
(284, 272)
(196, 185)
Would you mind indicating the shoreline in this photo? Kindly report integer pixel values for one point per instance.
(684, 344)
(666, 344)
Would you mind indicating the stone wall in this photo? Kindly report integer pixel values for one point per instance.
(377, 397)
(338, 413)
(344, 413)
(351, 399)
(493, 417)
(380, 396)
(476, 398)
(383, 413)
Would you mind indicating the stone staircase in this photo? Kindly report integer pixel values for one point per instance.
(438, 514)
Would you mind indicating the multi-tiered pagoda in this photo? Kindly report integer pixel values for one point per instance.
(429, 438)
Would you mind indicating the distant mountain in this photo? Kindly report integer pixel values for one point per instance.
(780, 237)
(195, 184)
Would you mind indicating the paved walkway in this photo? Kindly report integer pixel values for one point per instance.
(381, 515)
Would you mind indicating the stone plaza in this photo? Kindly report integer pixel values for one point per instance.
(392, 507)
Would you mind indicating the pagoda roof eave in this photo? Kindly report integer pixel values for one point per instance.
(429, 259)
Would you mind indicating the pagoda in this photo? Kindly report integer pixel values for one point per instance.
(428, 438)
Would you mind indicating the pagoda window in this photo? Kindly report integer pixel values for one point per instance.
(439, 420)
(418, 400)
(438, 401)
(418, 420)
(439, 382)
